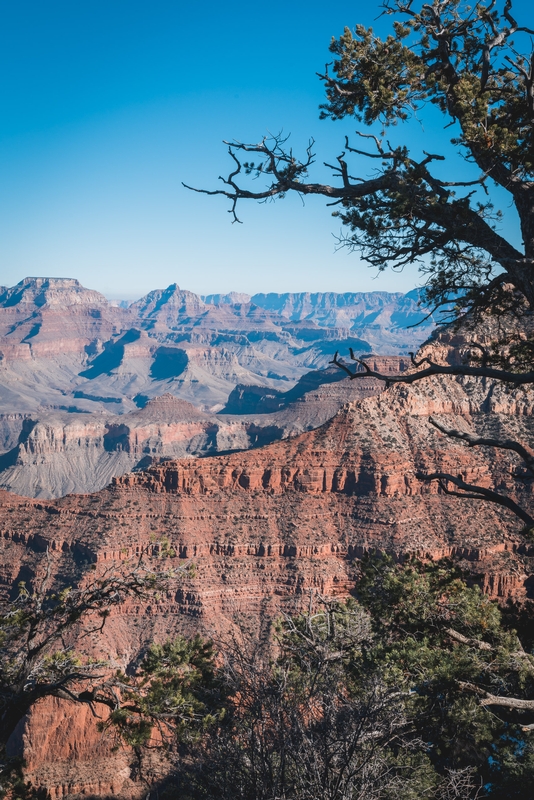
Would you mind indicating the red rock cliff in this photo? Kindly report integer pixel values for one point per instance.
(263, 527)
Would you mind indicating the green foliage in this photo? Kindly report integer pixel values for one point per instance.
(465, 62)
(174, 695)
(389, 696)
(309, 723)
(35, 661)
(473, 64)
(411, 597)
(438, 636)
(380, 698)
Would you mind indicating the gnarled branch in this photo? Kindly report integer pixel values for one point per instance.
(470, 491)
(488, 699)
(403, 175)
(526, 454)
(514, 378)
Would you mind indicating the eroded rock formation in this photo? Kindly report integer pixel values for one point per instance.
(263, 526)
(66, 348)
(57, 453)
(266, 526)
(75, 370)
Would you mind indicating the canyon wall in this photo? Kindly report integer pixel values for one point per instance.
(52, 454)
(73, 365)
(264, 527)
(65, 348)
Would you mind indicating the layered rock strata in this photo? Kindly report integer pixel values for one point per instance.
(66, 348)
(265, 527)
(58, 453)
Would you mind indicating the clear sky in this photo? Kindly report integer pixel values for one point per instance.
(107, 105)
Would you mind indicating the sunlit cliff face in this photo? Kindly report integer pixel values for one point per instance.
(263, 526)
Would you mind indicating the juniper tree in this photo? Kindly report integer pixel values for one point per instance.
(417, 689)
(35, 626)
(475, 65)
(42, 633)
(465, 62)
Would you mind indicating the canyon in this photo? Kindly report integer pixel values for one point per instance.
(80, 377)
(66, 348)
(263, 528)
(265, 515)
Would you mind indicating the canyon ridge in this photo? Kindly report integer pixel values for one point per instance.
(80, 377)
(265, 523)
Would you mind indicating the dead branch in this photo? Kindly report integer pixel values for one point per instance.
(472, 492)
(524, 452)
(285, 173)
(528, 660)
(459, 637)
(514, 378)
(488, 699)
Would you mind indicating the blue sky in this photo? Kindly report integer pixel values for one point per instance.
(107, 105)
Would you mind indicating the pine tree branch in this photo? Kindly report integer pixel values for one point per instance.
(526, 454)
(488, 699)
(405, 175)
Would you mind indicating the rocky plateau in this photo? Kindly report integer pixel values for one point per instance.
(264, 525)
(80, 377)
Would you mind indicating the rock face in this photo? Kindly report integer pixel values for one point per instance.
(266, 526)
(357, 308)
(362, 312)
(75, 369)
(59, 453)
(46, 317)
(39, 292)
(366, 458)
(64, 347)
(261, 400)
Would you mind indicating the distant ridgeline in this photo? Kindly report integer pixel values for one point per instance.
(92, 354)
(256, 368)
(336, 310)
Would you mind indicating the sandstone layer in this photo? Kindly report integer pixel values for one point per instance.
(58, 453)
(265, 527)
(72, 365)
(66, 348)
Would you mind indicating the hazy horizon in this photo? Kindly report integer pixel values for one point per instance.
(107, 108)
(131, 297)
